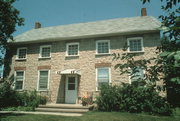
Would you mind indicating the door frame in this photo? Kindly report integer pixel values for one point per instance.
(76, 86)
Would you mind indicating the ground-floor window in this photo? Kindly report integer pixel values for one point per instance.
(43, 80)
(137, 73)
(19, 79)
(102, 76)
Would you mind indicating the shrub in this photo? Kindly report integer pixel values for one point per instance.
(132, 99)
(19, 108)
(86, 100)
(12, 98)
(30, 99)
(7, 95)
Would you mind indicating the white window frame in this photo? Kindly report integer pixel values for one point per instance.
(44, 46)
(135, 38)
(130, 79)
(47, 82)
(15, 74)
(97, 75)
(17, 54)
(100, 41)
(67, 48)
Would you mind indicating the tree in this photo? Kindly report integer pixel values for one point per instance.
(169, 58)
(9, 19)
(167, 62)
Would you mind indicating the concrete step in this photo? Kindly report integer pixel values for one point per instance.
(66, 109)
(61, 110)
(64, 106)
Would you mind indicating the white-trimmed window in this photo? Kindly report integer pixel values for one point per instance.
(21, 53)
(72, 49)
(136, 73)
(102, 77)
(43, 81)
(19, 80)
(135, 44)
(103, 47)
(45, 51)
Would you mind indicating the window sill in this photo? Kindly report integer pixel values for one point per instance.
(135, 51)
(44, 58)
(72, 55)
(20, 59)
(19, 90)
(101, 54)
(42, 90)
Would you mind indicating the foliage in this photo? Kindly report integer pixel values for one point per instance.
(133, 99)
(171, 19)
(86, 100)
(7, 95)
(30, 99)
(12, 98)
(166, 66)
(169, 59)
(19, 108)
(9, 19)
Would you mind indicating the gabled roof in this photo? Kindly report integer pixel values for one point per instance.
(90, 29)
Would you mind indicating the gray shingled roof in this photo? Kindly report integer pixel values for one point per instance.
(83, 30)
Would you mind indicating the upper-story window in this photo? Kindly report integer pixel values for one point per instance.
(135, 44)
(45, 51)
(103, 47)
(102, 77)
(72, 49)
(21, 53)
(19, 80)
(137, 73)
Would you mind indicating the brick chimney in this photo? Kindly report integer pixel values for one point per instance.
(37, 25)
(143, 12)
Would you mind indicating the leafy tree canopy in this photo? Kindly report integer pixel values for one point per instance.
(9, 18)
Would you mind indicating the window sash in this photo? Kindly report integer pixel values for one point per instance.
(19, 80)
(135, 45)
(73, 49)
(137, 74)
(100, 84)
(43, 80)
(19, 85)
(103, 47)
(22, 53)
(45, 51)
(102, 77)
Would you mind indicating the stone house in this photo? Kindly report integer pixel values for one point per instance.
(68, 62)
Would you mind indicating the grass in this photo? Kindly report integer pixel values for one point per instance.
(92, 116)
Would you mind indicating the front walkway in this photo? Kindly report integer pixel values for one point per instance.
(41, 113)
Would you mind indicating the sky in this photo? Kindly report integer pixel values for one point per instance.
(61, 12)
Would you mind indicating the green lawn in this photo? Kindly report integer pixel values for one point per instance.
(91, 116)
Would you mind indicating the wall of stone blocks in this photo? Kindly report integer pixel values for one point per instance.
(86, 62)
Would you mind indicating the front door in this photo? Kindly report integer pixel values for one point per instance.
(71, 89)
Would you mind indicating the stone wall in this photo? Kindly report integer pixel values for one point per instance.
(87, 61)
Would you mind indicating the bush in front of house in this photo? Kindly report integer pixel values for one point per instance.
(7, 95)
(30, 99)
(19, 108)
(10, 98)
(130, 98)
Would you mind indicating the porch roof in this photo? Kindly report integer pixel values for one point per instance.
(70, 71)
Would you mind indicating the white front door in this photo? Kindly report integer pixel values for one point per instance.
(71, 89)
